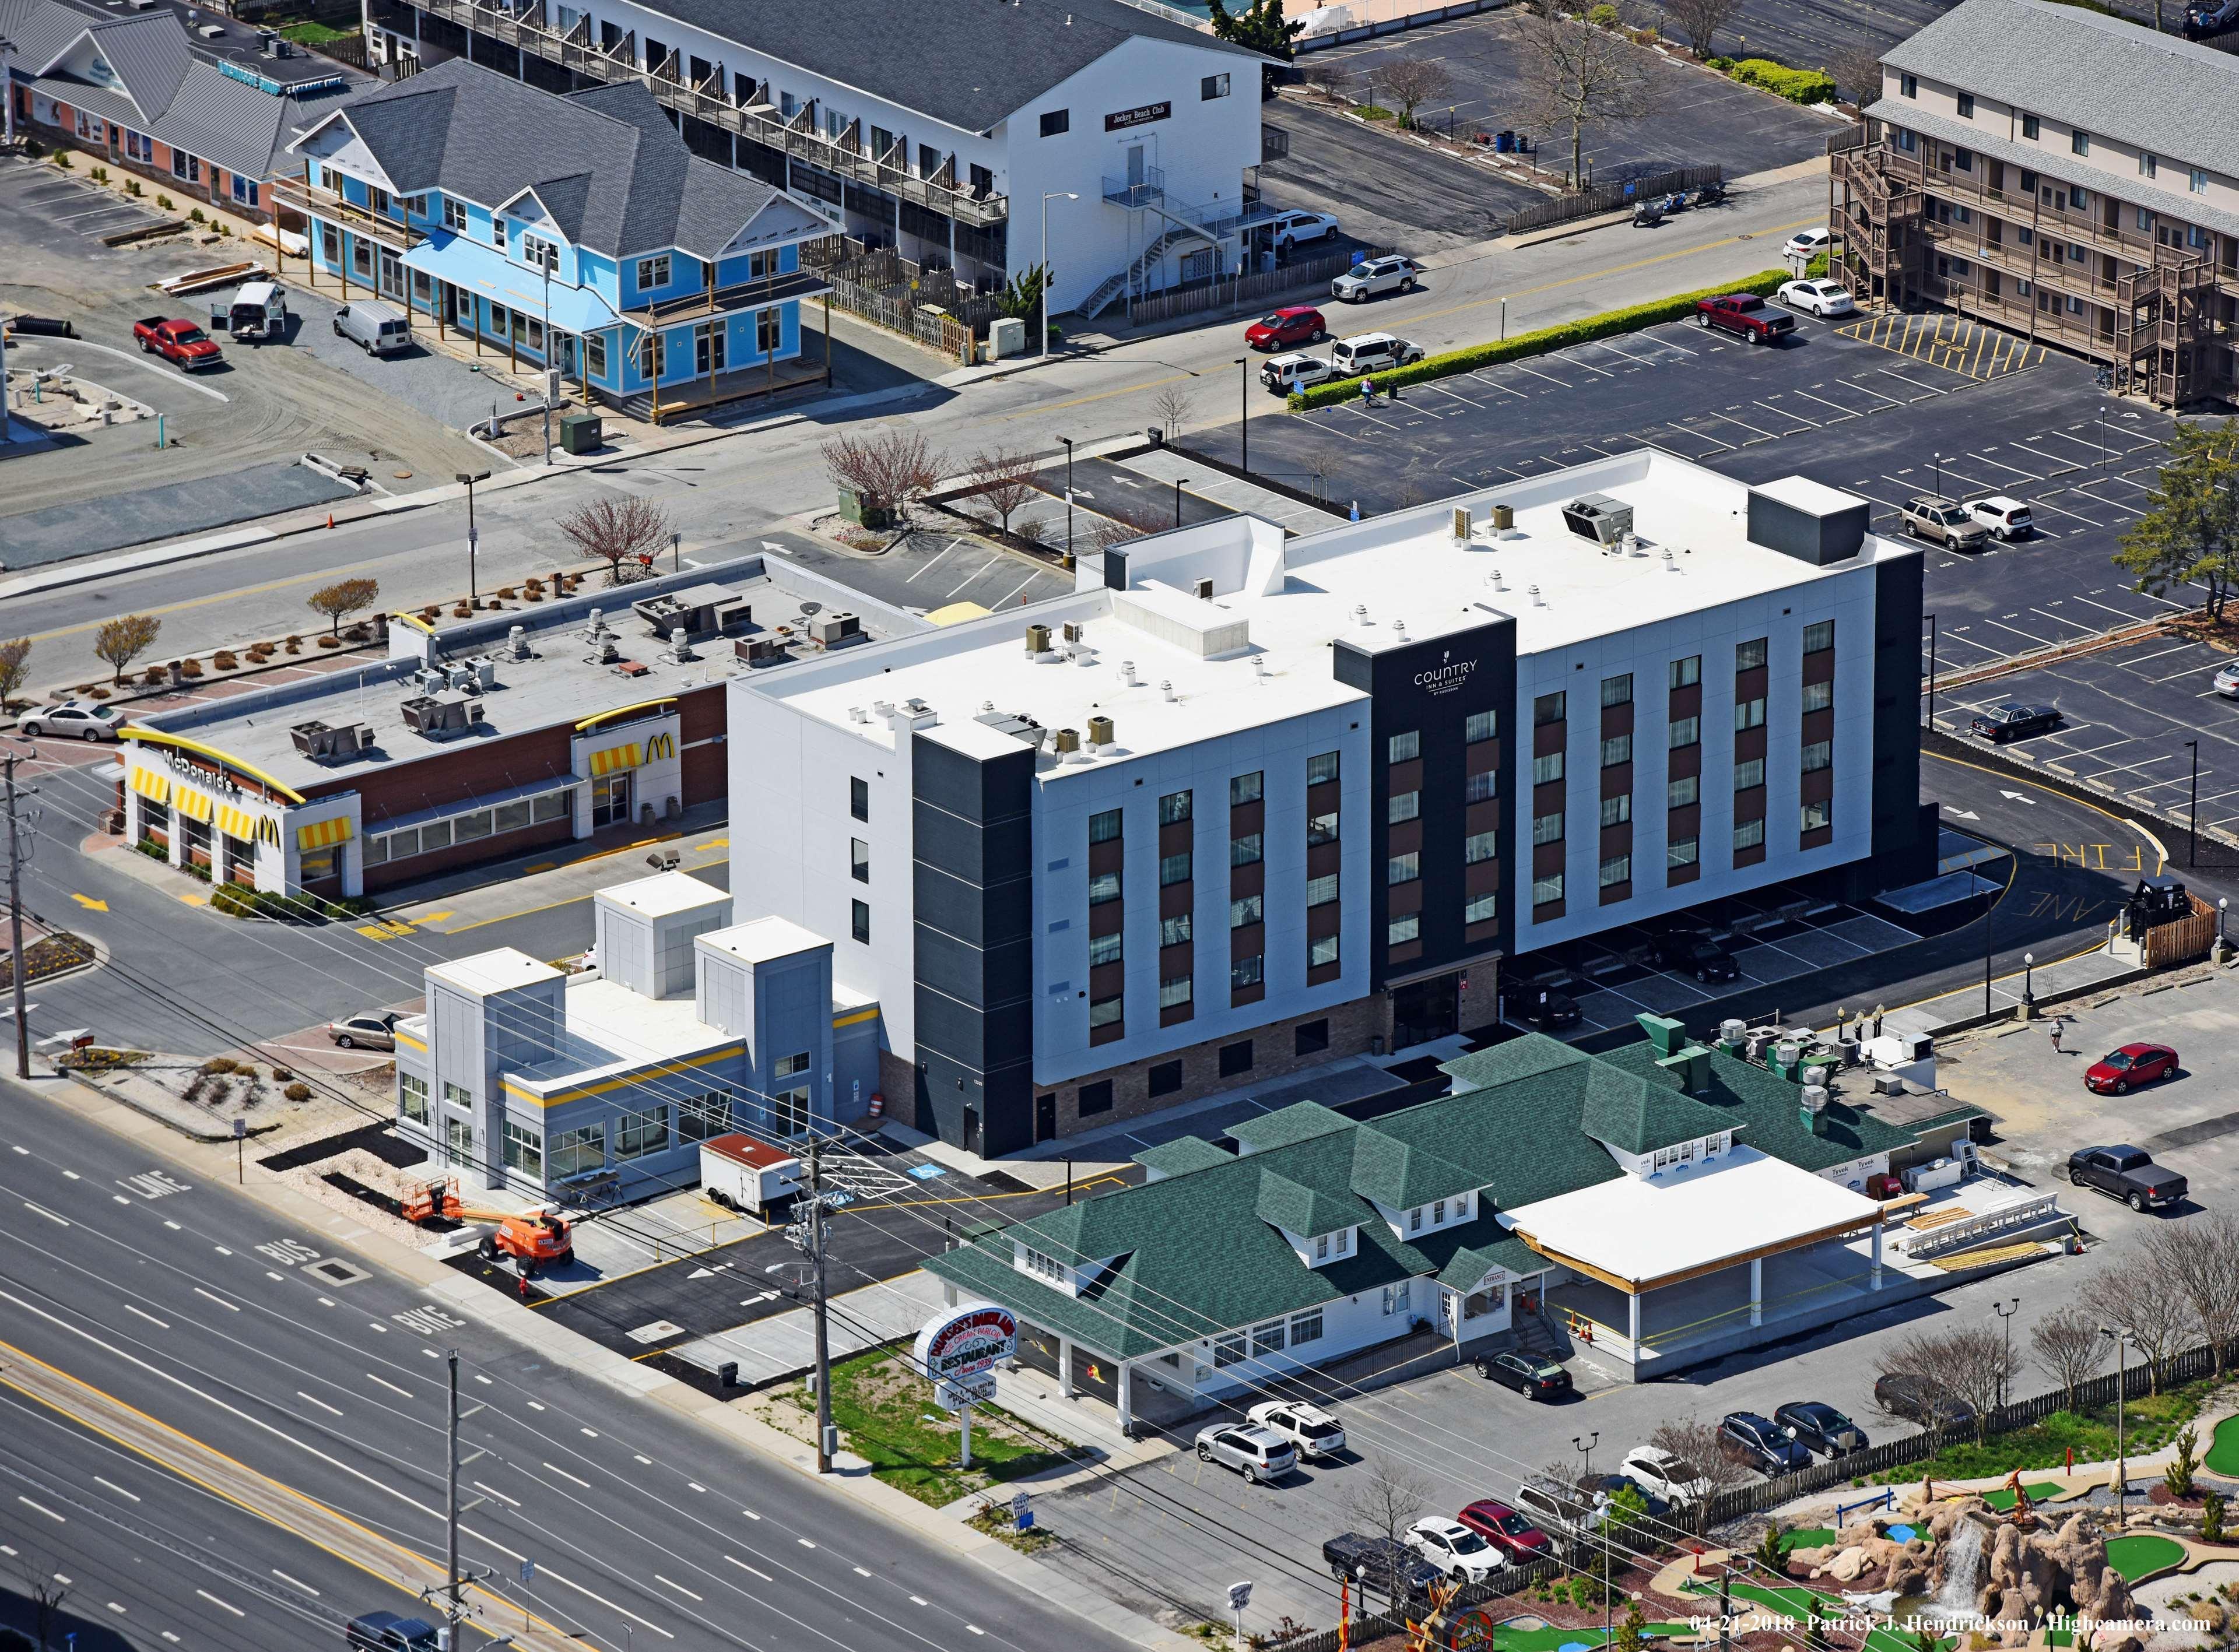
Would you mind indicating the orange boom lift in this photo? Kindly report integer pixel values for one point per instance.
(534, 1238)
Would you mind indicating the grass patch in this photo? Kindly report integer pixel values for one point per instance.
(2149, 1424)
(2002, 1500)
(316, 34)
(1807, 1537)
(2223, 1449)
(2140, 1556)
(1371, 111)
(882, 1406)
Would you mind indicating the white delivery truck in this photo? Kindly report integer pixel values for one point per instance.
(742, 1174)
(259, 311)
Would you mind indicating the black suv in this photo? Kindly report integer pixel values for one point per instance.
(1904, 1394)
(1540, 1007)
(2009, 721)
(387, 1632)
(1762, 1443)
(1821, 1427)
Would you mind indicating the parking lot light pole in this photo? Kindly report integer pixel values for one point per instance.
(2005, 1312)
(1042, 306)
(1989, 899)
(2120, 1337)
(1244, 412)
(2102, 436)
(2029, 985)
(1931, 673)
(2192, 831)
(1068, 498)
(470, 478)
(1939, 475)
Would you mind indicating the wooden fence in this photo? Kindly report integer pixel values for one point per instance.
(926, 304)
(1610, 197)
(1246, 289)
(2182, 941)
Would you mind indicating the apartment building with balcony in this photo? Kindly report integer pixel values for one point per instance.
(1240, 804)
(2069, 175)
(948, 130)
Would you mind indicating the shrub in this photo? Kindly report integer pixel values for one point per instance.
(2211, 1519)
(221, 1063)
(61, 159)
(331, 642)
(1724, 65)
(224, 660)
(292, 643)
(190, 667)
(154, 675)
(507, 594)
(196, 215)
(1603, 17)
(97, 692)
(132, 186)
(1559, 336)
(163, 201)
(1796, 85)
(297, 1092)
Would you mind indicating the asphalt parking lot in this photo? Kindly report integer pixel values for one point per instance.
(934, 566)
(65, 205)
(1809, 34)
(1384, 190)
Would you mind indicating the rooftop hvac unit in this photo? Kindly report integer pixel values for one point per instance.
(758, 652)
(835, 628)
(1038, 639)
(324, 745)
(516, 643)
(1099, 731)
(1068, 739)
(438, 716)
(1599, 517)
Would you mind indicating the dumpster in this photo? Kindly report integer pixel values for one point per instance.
(581, 433)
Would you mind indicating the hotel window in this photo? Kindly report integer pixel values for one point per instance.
(1307, 1327)
(1403, 869)
(2029, 127)
(1437, 1213)
(1102, 828)
(1415, 1220)
(1685, 674)
(652, 272)
(1547, 769)
(1616, 810)
(455, 215)
(861, 919)
(1905, 141)
(1395, 1300)
(1480, 786)
(2145, 220)
(1320, 828)
(1174, 808)
(1819, 755)
(1818, 696)
(1685, 731)
(859, 861)
(703, 1117)
(1091, 1099)
(1211, 86)
(1267, 1338)
(636, 1134)
(2200, 180)
(1247, 851)
(1321, 1247)
(1105, 949)
(412, 1096)
(1818, 814)
(1819, 636)
(1618, 691)
(2148, 165)
(1321, 891)
(1247, 910)
(1966, 106)
(1321, 767)
(1549, 708)
(2079, 198)
(1245, 788)
(1103, 886)
(1749, 656)
(1400, 931)
(1481, 909)
(1681, 792)
(1405, 748)
(1480, 725)
(1104, 1012)
(1749, 714)
(1227, 1350)
(574, 1151)
(1682, 852)
(1749, 774)
(1056, 123)
(1175, 931)
(1907, 85)
(1478, 845)
(1547, 889)
(1402, 805)
(1173, 869)
(1617, 869)
(1548, 828)
(1617, 749)
(1174, 993)
(524, 1149)
(457, 1096)
(2080, 142)
(1247, 972)
(1322, 951)
(539, 253)
(1748, 835)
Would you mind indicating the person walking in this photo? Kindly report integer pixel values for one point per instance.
(2056, 1035)
(1368, 390)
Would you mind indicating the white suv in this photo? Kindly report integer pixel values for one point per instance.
(1662, 1475)
(1370, 353)
(1454, 1548)
(1284, 374)
(1314, 1431)
(1294, 227)
(1364, 281)
(2005, 518)
(1257, 1454)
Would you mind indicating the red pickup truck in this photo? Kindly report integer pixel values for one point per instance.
(1747, 314)
(177, 340)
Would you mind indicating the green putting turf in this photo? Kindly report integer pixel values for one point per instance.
(2142, 1556)
(1806, 1537)
(2223, 1450)
(1505, 1639)
(2002, 1499)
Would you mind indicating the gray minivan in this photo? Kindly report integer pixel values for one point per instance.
(376, 329)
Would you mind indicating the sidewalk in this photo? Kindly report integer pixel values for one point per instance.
(1165, 465)
(486, 894)
(2050, 983)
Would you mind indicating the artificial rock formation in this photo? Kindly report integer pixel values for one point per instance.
(2026, 1576)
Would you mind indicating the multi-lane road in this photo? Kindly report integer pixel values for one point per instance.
(191, 1312)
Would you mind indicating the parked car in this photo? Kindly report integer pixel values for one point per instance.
(1559, 1511)
(1746, 316)
(1912, 1397)
(2121, 1071)
(1700, 957)
(2205, 18)
(1364, 280)
(1544, 1007)
(1257, 1454)
(2013, 721)
(1377, 1564)
(1663, 1474)
(259, 311)
(1810, 242)
(1454, 1548)
(376, 1032)
(374, 327)
(1607, 1486)
(1762, 1443)
(2127, 1173)
(2007, 518)
(1818, 297)
(1293, 324)
(2226, 681)
(1944, 520)
(1533, 1376)
(75, 719)
(387, 1632)
(1291, 228)
(1284, 374)
(1821, 1428)
(1312, 1431)
(1370, 353)
(177, 339)
(1504, 1529)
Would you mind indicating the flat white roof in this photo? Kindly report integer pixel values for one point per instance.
(1815, 497)
(612, 1029)
(493, 971)
(665, 894)
(1746, 1203)
(1380, 584)
(762, 939)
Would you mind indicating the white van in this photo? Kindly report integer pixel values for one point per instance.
(1372, 353)
(376, 329)
(259, 311)
(1284, 374)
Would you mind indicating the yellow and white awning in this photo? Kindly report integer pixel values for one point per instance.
(237, 823)
(324, 834)
(617, 757)
(196, 805)
(157, 788)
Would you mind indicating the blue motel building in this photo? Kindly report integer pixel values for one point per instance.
(575, 232)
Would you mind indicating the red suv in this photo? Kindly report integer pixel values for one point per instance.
(1299, 324)
(1506, 1529)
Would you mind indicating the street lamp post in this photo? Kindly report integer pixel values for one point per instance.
(2029, 985)
(2005, 1312)
(470, 478)
(1586, 1447)
(2120, 1336)
(2102, 436)
(2192, 830)
(1939, 473)
(1068, 498)
(1044, 302)
(1989, 901)
(1244, 412)
(1178, 500)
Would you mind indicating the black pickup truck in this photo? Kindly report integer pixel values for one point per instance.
(1392, 1570)
(2128, 1173)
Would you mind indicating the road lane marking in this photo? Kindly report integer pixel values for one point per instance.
(220, 1301)
(40, 1209)
(294, 1583)
(495, 1492)
(228, 1605)
(114, 1487)
(321, 1404)
(562, 1577)
(678, 1587)
(60, 1519)
(765, 1577)
(150, 1318)
(390, 1386)
(564, 1475)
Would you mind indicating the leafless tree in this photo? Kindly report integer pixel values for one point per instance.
(2137, 1296)
(1966, 1366)
(1576, 76)
(1004, 478)
(1700, 21)
(2069, 1347)
(1174, 406)
(889, 469)
(1384, 1500)
(1124, 522)
(123, 639)
(1323, 79)
(625, 532)
(1857, 66)
(1409, 82)
(2200, 1258)
(40, 1585)
(15, 667)
(1695, 1441)
(342, 599)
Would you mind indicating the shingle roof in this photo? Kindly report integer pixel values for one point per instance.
(1766, 1107)
(1400, 1174)
(1304, 1211)
(1182, 1156)
(1635, 1116)
(616, 171)
(2107, 74)
(1300, 1121)
(967, 63)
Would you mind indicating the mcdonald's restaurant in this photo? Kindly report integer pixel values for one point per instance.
(601, 717)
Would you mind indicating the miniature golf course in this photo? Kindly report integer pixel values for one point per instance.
(1507, 1637)
(2142, 1555)
(2223, 1449)
(1798, 1602)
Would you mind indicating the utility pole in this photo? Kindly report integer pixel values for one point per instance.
(16, 856)
(810, 1237)
(451, 1612)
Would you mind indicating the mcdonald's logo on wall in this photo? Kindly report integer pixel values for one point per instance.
(659, 747)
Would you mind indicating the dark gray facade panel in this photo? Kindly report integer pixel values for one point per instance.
(1820, 540)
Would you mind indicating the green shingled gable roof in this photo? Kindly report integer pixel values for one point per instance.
(1302, 1210)
(1635, 1116)
(1179, 1156)
(1767, 1108)
(1300, 1121)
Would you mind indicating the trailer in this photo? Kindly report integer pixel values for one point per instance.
(742, 1174)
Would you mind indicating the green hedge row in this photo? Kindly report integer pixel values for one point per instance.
(1559, 336)
(1796, 85)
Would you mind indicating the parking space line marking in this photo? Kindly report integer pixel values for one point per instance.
(1536, 374)
(1892, 401)
(1845, 413)
(1785, 413)
(1444, 389)
(1892, 373)
(1481, 377)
